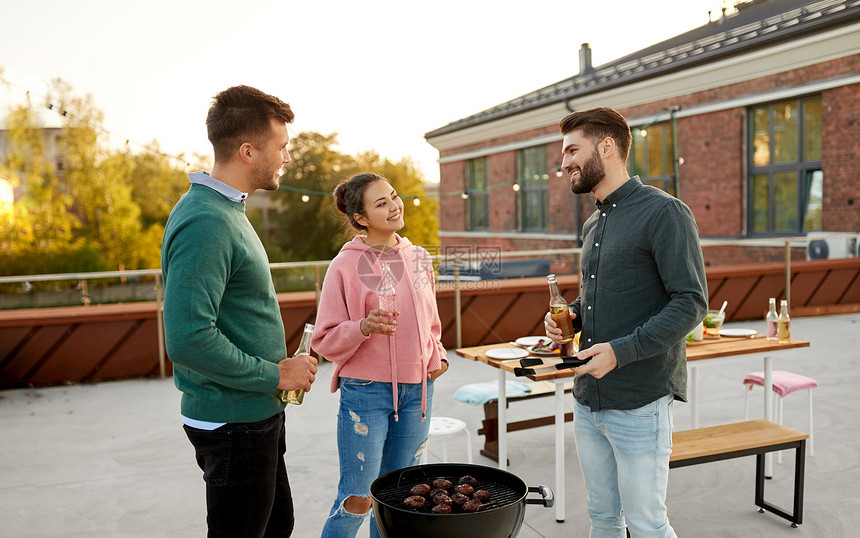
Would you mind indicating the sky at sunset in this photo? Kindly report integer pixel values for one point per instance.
(381, 73)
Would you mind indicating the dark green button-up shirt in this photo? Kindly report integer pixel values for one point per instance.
(643, 290)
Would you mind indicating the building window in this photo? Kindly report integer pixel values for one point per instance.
(478, 210)
(533, 178)
(652, 154)
(786, 182)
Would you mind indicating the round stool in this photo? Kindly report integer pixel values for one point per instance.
(444, 426)
(784, 383)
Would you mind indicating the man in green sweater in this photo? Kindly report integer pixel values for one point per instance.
(222, 321)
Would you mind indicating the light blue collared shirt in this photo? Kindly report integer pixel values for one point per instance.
(228, 192)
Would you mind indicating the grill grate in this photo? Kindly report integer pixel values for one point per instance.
(501, 495)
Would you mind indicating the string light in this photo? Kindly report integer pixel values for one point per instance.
(515, 186)
(306, 198)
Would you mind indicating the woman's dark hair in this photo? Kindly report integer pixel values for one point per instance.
(349, 196)
(241, 114)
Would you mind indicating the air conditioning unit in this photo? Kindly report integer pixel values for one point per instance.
(829, 245)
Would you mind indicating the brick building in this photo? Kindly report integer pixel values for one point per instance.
(751, 119)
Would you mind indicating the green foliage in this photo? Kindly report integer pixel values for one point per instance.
(40, 221)
(80, 257)
(102, 210)
(105, 209)
(156, 185)
(309, 230)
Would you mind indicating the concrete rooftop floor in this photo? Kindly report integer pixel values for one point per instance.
(111, 459)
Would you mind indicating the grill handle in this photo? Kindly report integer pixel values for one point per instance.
(547, 499)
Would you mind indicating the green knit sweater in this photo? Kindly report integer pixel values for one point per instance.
(222, 321)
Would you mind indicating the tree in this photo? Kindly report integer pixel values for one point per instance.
(104, 210)
(110, 190)
(309, 230)
(315, 230)
(40, 221)
(156, 184)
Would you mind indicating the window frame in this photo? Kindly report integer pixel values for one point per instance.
(666, 180)
(477, 196)
(533, 183)
(804, 170)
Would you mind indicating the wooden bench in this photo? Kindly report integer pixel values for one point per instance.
(758, 437)
(490, 429)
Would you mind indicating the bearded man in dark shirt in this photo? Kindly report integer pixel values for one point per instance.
(643, 289)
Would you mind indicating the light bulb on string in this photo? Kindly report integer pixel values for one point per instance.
(465, 195)
(516, 187)
(306, 198)
(416, 202)
(643, 132)
(559, 173)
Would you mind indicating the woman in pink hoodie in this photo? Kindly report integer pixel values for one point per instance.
(385, 361)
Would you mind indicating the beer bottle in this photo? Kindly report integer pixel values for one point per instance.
(783, 331)
(297, 396)
(560, 314)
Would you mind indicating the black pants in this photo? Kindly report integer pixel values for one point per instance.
(247, 489)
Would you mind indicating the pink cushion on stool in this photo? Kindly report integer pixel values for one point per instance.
(784, 383)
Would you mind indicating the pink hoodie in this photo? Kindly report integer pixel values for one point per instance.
(350, 292)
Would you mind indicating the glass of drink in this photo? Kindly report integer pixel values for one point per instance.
(713, 322)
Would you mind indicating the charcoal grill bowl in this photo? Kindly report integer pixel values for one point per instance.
(502, 520)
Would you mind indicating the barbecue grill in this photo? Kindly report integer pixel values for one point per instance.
(501, 516)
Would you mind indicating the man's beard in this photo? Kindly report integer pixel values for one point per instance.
(265, 179)
(590, 174)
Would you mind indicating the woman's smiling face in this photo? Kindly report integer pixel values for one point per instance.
(383, 208)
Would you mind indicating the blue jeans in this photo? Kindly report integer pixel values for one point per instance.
(370, 443)
(247, 490)
(624, 456)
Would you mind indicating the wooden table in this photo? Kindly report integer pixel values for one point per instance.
(706, 350)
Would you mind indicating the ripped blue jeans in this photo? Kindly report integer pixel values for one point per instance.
(370, 443)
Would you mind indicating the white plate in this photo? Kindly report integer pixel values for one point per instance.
(738, 332)
(507, 353)
(530, 340)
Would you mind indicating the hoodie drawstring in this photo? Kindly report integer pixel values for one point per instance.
(393, 352)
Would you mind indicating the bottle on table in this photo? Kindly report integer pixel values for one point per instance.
(772, 319)
(297, 396)
(783, 324)
(560, 314)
